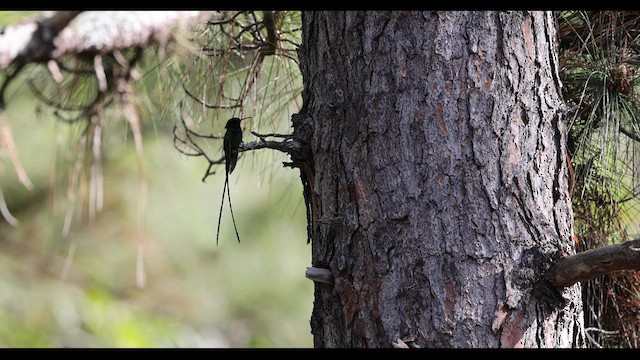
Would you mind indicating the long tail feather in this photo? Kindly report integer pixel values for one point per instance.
(231, 208)
(224, 188)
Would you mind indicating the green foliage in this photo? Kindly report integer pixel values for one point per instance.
(600, 84)
(599, 56)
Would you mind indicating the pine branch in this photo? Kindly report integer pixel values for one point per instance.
(588, 264)
(90, 31)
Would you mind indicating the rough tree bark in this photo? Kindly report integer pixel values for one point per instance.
(437, 188)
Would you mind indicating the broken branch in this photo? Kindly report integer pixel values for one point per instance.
(588, 264)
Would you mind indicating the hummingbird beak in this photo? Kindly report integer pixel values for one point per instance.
(248, 117)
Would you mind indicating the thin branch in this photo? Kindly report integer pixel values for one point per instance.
(100, 74)
(283, 53)
(67, 120)
(287, 146)
(252, 75)
(192, 145)
(79, 71)
(6, 139)
(224, 21)
(263, 136)
(253, 28)
(296, 44)
(206, 104)
(4, 211)
(603, 332)
(629, 133)
(588, 264)
(52, 103)
(193, 132)
(222, 51)
(54, 70)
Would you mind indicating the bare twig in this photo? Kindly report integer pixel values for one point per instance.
(4, 211)
(100, 74)
(6, 139)
(51, 103)
(206, 104)
(78, 71)
(224, 21)
(54, 69)
(189, 142)
(604, 332)
(289, 145)
(263, 136)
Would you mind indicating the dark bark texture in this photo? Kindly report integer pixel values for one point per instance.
(437, 188)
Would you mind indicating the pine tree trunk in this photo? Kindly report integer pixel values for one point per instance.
(437, 192)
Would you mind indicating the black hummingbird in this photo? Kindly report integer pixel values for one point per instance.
(232, 140)
(230, 145)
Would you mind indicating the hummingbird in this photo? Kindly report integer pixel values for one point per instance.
(230, 145)
(232, 139)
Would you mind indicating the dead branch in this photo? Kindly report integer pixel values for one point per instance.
(89, 34)
(90, 31)
(290, 145)
(588, 264)
(32, 41)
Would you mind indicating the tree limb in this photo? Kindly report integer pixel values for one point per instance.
(91, 31)
(588, 264)
(321, 275)
(272, 37)
(290, 145)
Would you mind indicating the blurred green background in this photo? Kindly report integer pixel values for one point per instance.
(80, 290)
